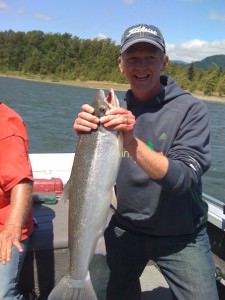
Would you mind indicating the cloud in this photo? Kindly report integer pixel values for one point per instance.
(42, 16)
(101, 36)
(3, 6)
(215, 16)
(35, 15)
(195, 50)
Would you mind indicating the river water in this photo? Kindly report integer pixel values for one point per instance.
(49, 110)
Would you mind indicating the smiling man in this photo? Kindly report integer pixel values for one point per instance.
(160, 213)
(142, 59)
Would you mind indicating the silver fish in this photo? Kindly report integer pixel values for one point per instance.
(93, 176)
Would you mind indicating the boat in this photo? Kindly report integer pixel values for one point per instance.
(47, 258)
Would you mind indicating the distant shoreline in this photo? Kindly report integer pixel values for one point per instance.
(104, 85)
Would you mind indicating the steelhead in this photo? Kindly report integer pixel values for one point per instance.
(90, 190)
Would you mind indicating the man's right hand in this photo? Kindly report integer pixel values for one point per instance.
(85, 121)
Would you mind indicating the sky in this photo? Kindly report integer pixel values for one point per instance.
(193, 29)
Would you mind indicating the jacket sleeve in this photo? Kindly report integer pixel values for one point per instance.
(189, 157)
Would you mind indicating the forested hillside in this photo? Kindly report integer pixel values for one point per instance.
(211, 61)
(66, 57)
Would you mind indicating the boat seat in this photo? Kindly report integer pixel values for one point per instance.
(50, 232)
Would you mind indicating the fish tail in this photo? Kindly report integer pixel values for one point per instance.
(70, 289)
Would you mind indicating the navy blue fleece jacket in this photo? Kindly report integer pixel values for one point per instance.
(176, 124)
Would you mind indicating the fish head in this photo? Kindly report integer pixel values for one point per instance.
(103, 103)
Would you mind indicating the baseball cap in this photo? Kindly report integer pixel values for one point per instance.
(142, 33)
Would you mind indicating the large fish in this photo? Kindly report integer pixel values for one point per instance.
(93, 175)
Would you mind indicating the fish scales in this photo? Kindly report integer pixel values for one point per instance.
(95, 182)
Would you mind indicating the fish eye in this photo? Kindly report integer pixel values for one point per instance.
(102, 110)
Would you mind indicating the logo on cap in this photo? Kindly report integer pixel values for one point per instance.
(141, 29)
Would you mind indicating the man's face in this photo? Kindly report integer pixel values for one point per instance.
(142, 64)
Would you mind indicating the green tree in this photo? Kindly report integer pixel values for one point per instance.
(191, 72)
(221, 85)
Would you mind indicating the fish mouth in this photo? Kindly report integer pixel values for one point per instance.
(102, 103)
(112, 99)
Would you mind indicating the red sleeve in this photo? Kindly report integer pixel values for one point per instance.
(14, 162)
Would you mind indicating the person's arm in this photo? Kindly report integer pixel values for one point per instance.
(20, 204)
(155, 164)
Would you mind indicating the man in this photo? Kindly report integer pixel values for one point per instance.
(15, 200)
(160, 213)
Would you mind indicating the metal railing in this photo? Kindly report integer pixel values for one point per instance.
(216, 211)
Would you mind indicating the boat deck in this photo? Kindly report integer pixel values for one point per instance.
(154, 286)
